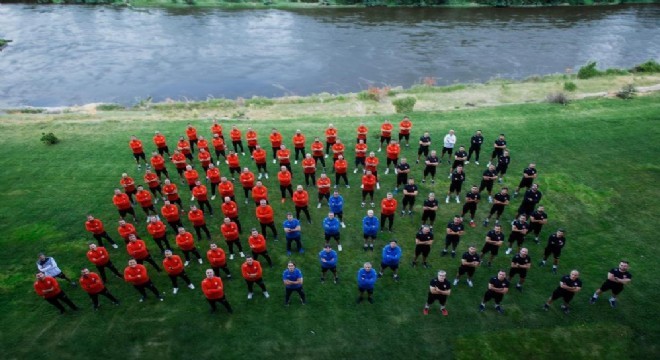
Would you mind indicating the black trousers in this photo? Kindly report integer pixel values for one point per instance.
(390, 220)
(198, 230)
(223, 301)
(104, 235)
(305, 210)
(186, 254)
(55, 301)
(148, 285)
(272, 228)
(260, 282)
(288, 293)
(104, 292)
(111, 266)
(150, 260)
(183, 275)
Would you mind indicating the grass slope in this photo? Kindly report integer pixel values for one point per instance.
(596, 170)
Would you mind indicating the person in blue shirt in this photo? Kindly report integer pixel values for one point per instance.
(336, 205)
(292, 233)
(370, 226)
(366, 278)
(390, 259)
(328, 259)
(331, 229)
(293, 281)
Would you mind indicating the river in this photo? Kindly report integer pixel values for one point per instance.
(67, 55)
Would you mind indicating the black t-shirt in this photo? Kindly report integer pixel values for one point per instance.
(432, 160)
(430, 203)
(502, 198)
(503, 162)
(566, 280)
(476, 141)
(424, 237)
(403, 167)
(457, 177)
(424, 139)
(410, 188)
(455, 228)
(444, 285)
(499, 284)
(493, 236)
(521, 260)
(530, 171)
(520, 226)
(470, 257)
(499, 142)
(536, 215)
(460, 154)
(489, 173)
(619, 274)
(532, 197)
(556, 241)
(473, 196)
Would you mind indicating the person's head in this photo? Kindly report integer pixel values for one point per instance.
(340, 157)
(249, 260)
(393, 244)
(434, 153)
(535, 187)
(227, 199)
(330, 126)
(132, 263)
(246, 170)
(298, 132)
(226, 220)
(213, 246)
(403, 161)
(167, 182)
(223, 179)
(202, 150)
(472, 249)
(372, 154)
(426, 229)
(117, 191)
(478, 133)
(335, 193)
(369, 173)
(122, 222)
(459, 169)
(283, 168)
(461, 148)
(532, 165)
(504, 190)
(133, 137)
(274, 131)
(168, 253)
(501, 137)
(370, 213)
(498, 228)
(259, 183)
(193, 208)
(181, 230)
(540, 209)
(560, 233)
(411, 181)
(331, 215)
(431, 196)
(327, 248)
(132, 238)
(153, 219)
(198, 183)
(574, 275)
(282, 147)
(524, 252)
(289, 216)
(506, 152)
(474, 189)
(426, 134)
(442, 275)
(451, 132)
(188, 167)
(367, 266)
(389, 196)
(491, 167)
(124, 175)
(291, 266)
(501, 275)
(190, 126)
(92, 246)
(623, 266)
(522, 218)
(262, 203)
(90, 217)
(209, 273)
(41, 276)
(338, 141)
(308, 156)
(167, 203)
(299, 188)
(323, 175)
(457, 219)
(254, 232)
(84, 272)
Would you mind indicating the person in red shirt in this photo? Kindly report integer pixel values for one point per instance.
(299, 144)
(171, 214)
(330, 138)
(230, 209)
(158, 164)
(123, 204)
(153, 182)
(259, 192)
(174, 268)
(362, 132)
(216, 128)
(191, 133)
(393, 151)
(145, 200)
(184, 147)
(341, 168)
(337, 149)
(234, 164)
(387, 210)
(196, 217)
(95, 226)
(404, 130)
(236, 139)
(204, 157)
(128, 184)
(230, 232)
(360, 155)
(125, 229)
(186, 242)
(284, 177)
(136, 275)
(161, 143)
(138, 151)
(323, 186)
(251, 137)
(200, 193)
(252, 273)
(137, 249)
(172, 193)
(371, 164)
(226, 188)
(317, 151)
(247, 181)
(368, 184)
(179, 161)
(218, 260)
(284, 157)
(309, 169)
(93, 286)
(275, 143)
(191, 176)
(214, 291)
(385, 134)
(301, 201)
(219, 147)
(202, 143)
(259, 155)
(258, 246)
(158, 232)
(266, 217)
(48, 288)
(99, 256)
(213, 176)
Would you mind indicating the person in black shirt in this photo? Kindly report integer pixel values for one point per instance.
(469, 264)
(500, 200)
(430, 208)
(520, 263)
(616, 279)
(503, 165)
(569, 285)
(519, 229)
(457, 179)
(424, 144)
(532, 197)
(459, 159)
(529, 174)
(556, 242)
(475, 147)
(410, 192)
(472, 198)
(402, 170)
(494, 240)
(498, 148)
(497, 287)
(432, 162)
(423, 242)
(536, 222)
(455, 230)
(487, 180)
(439, 289)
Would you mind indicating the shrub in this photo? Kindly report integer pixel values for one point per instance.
(648, 67)
(627, 92)
(110, 107)
(588, 71)
(570, 86)
(49, 139)
(404, 105)
(374, 93)
(557, 98)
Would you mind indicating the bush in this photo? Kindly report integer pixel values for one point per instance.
(110, 107)
(557, 98)
(570, 86)
(404, 105)
(588, 71)
(648, 67)
(375, 93)
(49, 139)
(627, 92)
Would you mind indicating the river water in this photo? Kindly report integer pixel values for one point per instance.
(67, 55)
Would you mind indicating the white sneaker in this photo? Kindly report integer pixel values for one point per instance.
(200, 261)
(372, 205)
(396, 171)
(326, 156)
(213, 197)
(467, 162)
(455, 282)
(355, 171)
(274, 161)
(260, 176)
(348, 186)
(115, 246)
(266, 175)
(175, 290)
(186, 263)
(242, 255)
(447, 200)
(192, 198)
(470, 284)
(231, 256)
(458, 201)
(266, 294)
(377, 186)
(379, 149)
(217, 163)
(508, 251)
(343, 225)
(339, 247)
(246, 201)
(476, 162)
(490, 199)
(249, 296)
(489, 164)
(156, 201)
(191, 287)
(295, 162)
(318, 206)
(387, 171)
(449, 177)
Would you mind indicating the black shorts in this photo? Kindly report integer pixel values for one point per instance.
(428, 215)
(535, 228)
(497, 153)
(488, 185)
(502, 169)
(455, 186)
(609, 285)
(404, 136)
(429, 170)
(423, 150)
(322, 196)
(457, 163)
(470, 207)
(385, 139)
(490, 248)
(123, 213)
(561, 293)
(367, 236)
(446, 150)
(401, 179)
(493, 295)
(466, 270)
(424, 250)
(555, 251)
(359, 161)
(520, 271)
(324, 269)
(332, 236)
(139, 156)
(452, 240)
(385, 266)
(499, 209)
(431, 298)
(518, 239)
(369, 291)
(526, 182)
(408, 200)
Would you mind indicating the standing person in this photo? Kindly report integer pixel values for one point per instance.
(459, 159)
(259, 155)
(368, 183)
(385, 134)
(299, 145)
(172, 193)
(455, 229)
(301, 202)
(519, 229)
(292, 278)
(138, 151)
(153, 181)
(136, 275)
(259, 192)
(196, 218)
(48, 266)
(404, 130)
(370, 226)
(432, 162)
(191, 176)
(323, 187)
(371, 164)
(429, 210)
(457, 179)
(472, 199)
(532, 197)
(171, 214)
(536, 222)
(328, 259)
(402, 170)
(331, 229)
(292, 233)
(257, 244)
(275, 142)
(230, 232)
(366, 278)
(93, 286)
(616, 279)
(213, 176)
(219, 147)
(470, 261)
(330, 139)
(449, 142)
(247, 182)
(126, 229)
(214, 291)
(423, 242)
(503, 165)
(218, 260)
(251, 138)
(158, 232)
(337, 150)
(216, 129)
(393, 151)
(186, 242)
(161, 143)
(529, 174)
(498, 148)
(475, 147)
(184, 147)
(191, 134)
(266, 217)
(390, 257)
(179, 161)
(317, 152)
(204, 157)
(498, 286)
(158, 163)
(236, 139)
(360, 155)
(410, 191)
(123, 204)
(424, 145)
(138, 250)
(387, 210)
(362, 131)
(100, 257)
(556, 242)
(439, 290)
(309, 169)
(252, 273)
(145, 200)
(500, 201)
(520, 263)
(226, 189)
(341, 168)
(230, 210)
(234, 164)
(49, 289)
(569, 285)
(487, 180)
(95, 226)
(494, 240)
(174, 268)
(336, 205)
(128, 184)
(284, 178)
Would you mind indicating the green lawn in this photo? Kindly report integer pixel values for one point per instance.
(596, 169)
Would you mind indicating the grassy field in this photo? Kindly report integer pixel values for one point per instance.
(596, 170)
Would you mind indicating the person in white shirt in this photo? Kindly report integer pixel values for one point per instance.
(448, 146)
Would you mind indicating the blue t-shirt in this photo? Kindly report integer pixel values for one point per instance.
(291, 224)
(330, 259)
(292, 276)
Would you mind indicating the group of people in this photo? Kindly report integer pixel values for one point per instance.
(530, 216)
